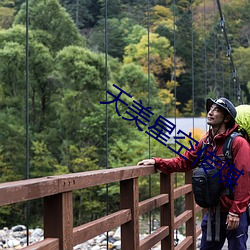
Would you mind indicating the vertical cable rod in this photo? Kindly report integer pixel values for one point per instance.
(149, 149)
(27, 207)
(77, 13)
(192, 24)
(205, 49)
(175, 91)
(106, 82)
(215, 53)
(174, 69)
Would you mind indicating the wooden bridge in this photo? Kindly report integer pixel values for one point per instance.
(56, 192)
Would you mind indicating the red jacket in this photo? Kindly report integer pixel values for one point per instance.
(241, 156)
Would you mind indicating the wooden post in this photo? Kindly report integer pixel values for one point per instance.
(129, 197)
(167, 210)
(190, 205)
(58, 219)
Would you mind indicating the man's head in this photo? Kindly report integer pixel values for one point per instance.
(220, 111)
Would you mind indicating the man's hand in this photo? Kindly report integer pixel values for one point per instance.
(146, 162)
(232, 222)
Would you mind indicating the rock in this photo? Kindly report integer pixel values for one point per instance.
(3, 233)
(80, 246)
(18, 228)
(13, 243)
(23, 240)
(16, 238)
(100, 238)
(111, 233)
(103, 243)
(95, 248)
(117, 244)
(18, 247)
(38, 232)
(111, 239)
(18, 234)
(117, 234)
(91, 242)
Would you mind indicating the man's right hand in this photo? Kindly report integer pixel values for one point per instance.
(146, 162)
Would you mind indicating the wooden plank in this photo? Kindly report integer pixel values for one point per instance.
(24, 190)
(198, 208)
(167, 210)
(94, 178)
(182, 218)
(58, 219)
(152, 203)
(190, 205)
(185, 244)
(90, 230)
(154, 238)
(46, 244)
(129, 196)
(182, 190)
(198, 231)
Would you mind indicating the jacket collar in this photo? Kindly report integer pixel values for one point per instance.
(219, 137)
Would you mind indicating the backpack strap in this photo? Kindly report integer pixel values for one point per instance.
(202, 157)
(227, 147)
(227, 151)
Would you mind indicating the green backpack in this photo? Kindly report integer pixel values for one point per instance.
(243, 120)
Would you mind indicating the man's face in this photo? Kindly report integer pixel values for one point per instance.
(215, 116)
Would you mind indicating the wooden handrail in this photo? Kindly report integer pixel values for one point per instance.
(58, 208)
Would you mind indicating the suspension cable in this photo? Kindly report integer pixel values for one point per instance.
(174, 61)
(205, 50)
(215, 53)
(107, 120)
(229, 53)
(175, 93)
(192, 24)
(27, 207)
(149, 149)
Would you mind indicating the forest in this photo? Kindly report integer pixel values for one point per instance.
(167, 55)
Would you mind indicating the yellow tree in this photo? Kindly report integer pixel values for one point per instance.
(7, 12)
(160, 55)
(161, 16)
(156, 55)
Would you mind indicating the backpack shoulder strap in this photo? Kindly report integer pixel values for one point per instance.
(227, 147)
(203, 153)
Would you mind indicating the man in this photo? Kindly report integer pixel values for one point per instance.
(221, 115)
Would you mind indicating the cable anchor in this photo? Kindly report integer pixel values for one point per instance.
(222, 24)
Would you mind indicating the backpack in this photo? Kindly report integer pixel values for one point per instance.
(206, 187)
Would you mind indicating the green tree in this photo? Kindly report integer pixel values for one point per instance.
(117, 31)
(134, 80)
(84, 13)
(13, 60)
(53, 25)
(241, 56)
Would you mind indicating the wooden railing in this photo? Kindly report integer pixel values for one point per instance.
(56, 192)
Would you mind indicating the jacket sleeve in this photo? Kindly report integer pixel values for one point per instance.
(179, 164)
(241, 156)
